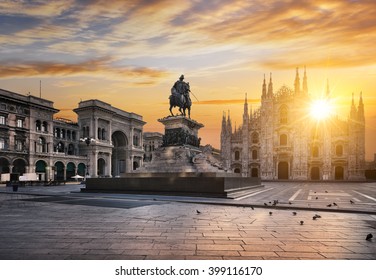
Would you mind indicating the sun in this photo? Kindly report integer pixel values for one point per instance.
(321, 109)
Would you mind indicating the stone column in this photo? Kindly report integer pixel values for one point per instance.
(95, 128)
(94, 164)
(109, 164)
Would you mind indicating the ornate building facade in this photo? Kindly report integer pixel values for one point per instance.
(32, 140)
(280, 140)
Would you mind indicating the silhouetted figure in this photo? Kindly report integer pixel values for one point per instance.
(369, 236)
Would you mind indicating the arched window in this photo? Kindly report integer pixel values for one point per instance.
(315, 151)
(237, 155)
(71, 149)
(283, 140)
(254, 154)
(339, 150)
(38, 125)
(283, 115)
(255, 138)
(60, 147)
(45, 127)
(41, 146)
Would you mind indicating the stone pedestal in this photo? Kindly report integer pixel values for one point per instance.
(181, 131)
(181, 151)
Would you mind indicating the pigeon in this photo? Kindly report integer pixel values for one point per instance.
(301, 222)
(335, 204)
(270, 213)
(329, 205)
(314, 218)
(352, 202)
(369, 236)
(265, 204)
(252, 208)
(275, 202)
(270, 202)
(294, 213)
(326, 191)
(317, 216)
(290, 202)
(317, 197)
(198, 212)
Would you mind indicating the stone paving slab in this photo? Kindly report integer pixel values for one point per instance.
(49, 230)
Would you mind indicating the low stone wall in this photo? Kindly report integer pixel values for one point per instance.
(200, 184)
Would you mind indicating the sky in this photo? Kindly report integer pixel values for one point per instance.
(130, 53)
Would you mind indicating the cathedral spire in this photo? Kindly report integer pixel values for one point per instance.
(229, 126)
(305, 85)
(264, 88)
(361, 109)
(270, 87)
(297, 82)
(224, 121)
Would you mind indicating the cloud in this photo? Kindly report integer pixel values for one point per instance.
(90, 67)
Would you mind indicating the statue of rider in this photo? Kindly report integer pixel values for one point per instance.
(180, 86)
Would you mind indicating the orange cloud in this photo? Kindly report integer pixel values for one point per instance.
(92, 67)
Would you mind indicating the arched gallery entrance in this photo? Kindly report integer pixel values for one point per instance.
(119, 153)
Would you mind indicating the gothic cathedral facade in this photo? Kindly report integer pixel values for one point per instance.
(280, 141)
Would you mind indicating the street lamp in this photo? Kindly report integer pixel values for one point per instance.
(87, 141)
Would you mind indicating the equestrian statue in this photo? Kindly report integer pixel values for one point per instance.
(180, 97)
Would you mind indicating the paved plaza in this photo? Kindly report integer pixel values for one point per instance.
(53, 223)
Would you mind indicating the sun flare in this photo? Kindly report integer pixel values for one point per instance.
(321, 109)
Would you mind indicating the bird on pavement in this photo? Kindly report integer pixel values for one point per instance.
(301, 222)
(329, 205)
(314, 218)
(290, 202)
(369, 236)
(294, 213)
(317, 197)
(335, 204)
(198, 212)
(352, 202)
(317, 216)
(252, 208)
(270, 213)
(265, 204)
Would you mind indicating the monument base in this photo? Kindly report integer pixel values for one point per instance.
(225, 185)
(179, 167)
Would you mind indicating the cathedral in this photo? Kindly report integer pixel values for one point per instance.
(281, 141)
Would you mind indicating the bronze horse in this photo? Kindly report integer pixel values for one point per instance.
(183, 101)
